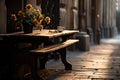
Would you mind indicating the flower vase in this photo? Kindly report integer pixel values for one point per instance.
(27, 28)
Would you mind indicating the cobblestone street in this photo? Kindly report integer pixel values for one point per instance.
(102, 62)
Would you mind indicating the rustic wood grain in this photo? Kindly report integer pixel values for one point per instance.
(55, 47)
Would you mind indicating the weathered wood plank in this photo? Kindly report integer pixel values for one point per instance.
(55, 47)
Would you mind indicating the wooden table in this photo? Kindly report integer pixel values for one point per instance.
(36, 38)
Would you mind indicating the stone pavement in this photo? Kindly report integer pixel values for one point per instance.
(102, 62)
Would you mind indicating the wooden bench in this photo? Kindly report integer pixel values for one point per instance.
(42, 55)
(59, 47)
(54, 47)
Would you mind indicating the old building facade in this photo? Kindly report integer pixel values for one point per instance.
(96, 17)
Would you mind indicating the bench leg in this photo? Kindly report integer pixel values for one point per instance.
(42, 61)
(34, 68)
(67, 65)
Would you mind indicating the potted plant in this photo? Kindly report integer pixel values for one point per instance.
(29, 18)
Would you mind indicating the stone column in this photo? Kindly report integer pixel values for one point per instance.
(88, 20)
(3, 14)
(88, 7)
(111, 27)
(105, 17)
(95, 11)
(101, 20)
(114, 18)
(82, 15)
(82, 23)
(69, 14)
(75, 14)
(75, 18)
(97, 21)
(63, 13)
(63, 19)
(109, 18)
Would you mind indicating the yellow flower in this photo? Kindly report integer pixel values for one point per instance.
(47, 19)
(13, 17)
(21, 14)
(29, 6)
(31, 16)
(35, 21)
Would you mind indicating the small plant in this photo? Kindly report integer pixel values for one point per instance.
(31, 16)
